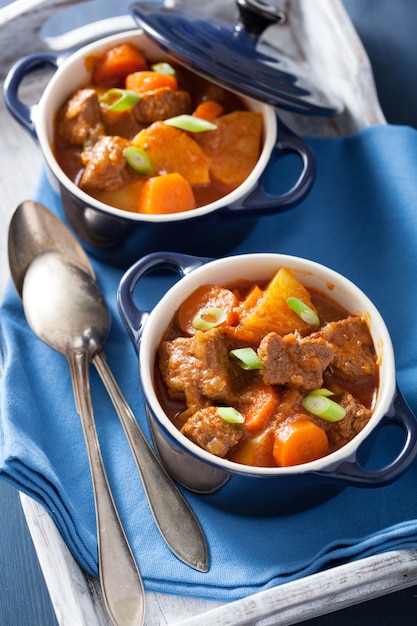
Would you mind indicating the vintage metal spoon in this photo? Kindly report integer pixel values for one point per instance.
(64, 307)
(33, 231)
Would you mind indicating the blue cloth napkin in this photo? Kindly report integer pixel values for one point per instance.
(360, 219)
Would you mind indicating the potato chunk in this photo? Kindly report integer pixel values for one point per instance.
(234, 146)
(172, 150)
(271, 312)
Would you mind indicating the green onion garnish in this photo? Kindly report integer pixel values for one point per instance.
(303, 311)
(323, 407)
(230, 415)
(119, 99)
(321, 392)
(191, 123)
(209, 317)
(163, 68)
(246, 358)
(138, 160)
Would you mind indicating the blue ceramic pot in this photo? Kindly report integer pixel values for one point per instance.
(200, 471)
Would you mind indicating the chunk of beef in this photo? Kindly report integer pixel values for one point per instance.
(121, 123)
(181, 372)
(198, 369)
(209, 431)
(162, 104)
(80, 118)
(105, 166)
(204, 90)
(294, 360)
(357, 416)
(354, 350)
(290, 404)
(220, 379)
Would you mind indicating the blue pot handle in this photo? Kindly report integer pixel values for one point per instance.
(133, 317)
(354, 474)
(262, 202)
(22, 112)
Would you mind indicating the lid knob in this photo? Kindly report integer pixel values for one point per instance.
(256, 16)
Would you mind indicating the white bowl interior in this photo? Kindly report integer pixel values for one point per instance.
(73, 73)
(258, 267)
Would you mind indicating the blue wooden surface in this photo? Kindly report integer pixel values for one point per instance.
(389, 33)
(24, 599)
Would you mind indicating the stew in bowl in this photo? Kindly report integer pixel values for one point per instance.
(266, 367)
(270, 374)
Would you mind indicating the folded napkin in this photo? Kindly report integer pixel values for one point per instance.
(361, 220)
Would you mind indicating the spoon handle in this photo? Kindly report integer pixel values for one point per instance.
(121, 582)
(172, 514)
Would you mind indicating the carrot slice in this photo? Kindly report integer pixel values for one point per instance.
(169, 193)
(299, 441)
(144, 81)
(207, 296)
(116, 63)
(240, 333)
(251, 299)
(261, 407)
(208, 110)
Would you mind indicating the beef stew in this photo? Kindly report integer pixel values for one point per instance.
(266, 409)
(136, 104)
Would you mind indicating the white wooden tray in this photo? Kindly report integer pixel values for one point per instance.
(321, 35)
(290, 603)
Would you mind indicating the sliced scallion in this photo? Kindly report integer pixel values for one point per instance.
(321, 392)
(246, 358)
(119, 99)
(191, 123)
(138, 160)
(163, 68)
(303, 311)
(323, 407)
(230, 415)
(207, 318)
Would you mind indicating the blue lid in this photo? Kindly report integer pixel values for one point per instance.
(233, 56)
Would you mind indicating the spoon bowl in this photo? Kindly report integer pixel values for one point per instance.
(34, 230)
(78, 320)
